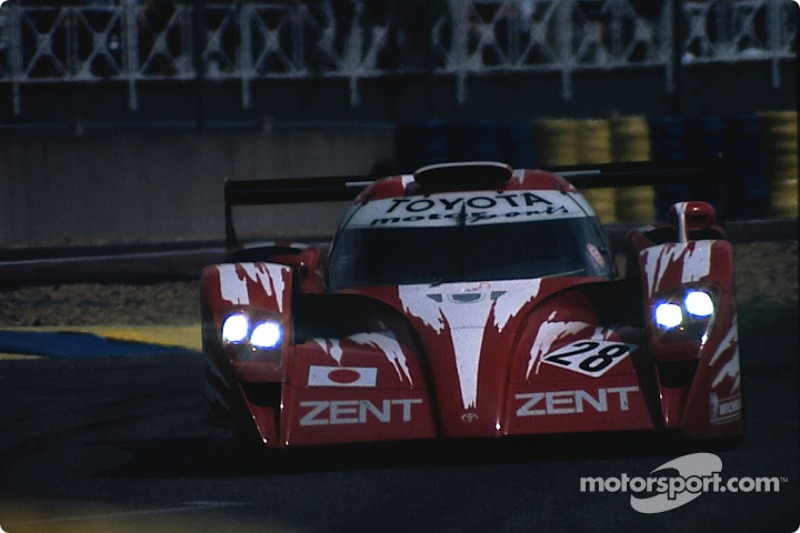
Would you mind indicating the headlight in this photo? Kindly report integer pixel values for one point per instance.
(699, 304)
(668, 315)
(266, 335)
(236, 328)
(252, 336)
(684, 314)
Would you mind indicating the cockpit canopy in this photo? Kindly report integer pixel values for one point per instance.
(468, 236)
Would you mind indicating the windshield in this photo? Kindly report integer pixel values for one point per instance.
(366, 256)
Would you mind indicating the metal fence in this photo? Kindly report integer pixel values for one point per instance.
(132, 41)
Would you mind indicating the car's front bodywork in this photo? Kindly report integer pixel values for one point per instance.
(472, 301)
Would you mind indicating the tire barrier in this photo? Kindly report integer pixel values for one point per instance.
(744, 190)
(705, 137)
(420, 143)
(473, 141)
(780, 140)
(759, 154)
(630, 141)
(555, 141)
(570, 142)
(668, 143)
(738, 139)
(424, 143)
(594, 146)
(516, 145)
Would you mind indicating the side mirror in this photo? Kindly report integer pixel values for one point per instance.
(308, 261)
(691, 216)
(306, 265)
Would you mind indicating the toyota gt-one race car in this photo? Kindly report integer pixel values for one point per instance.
(470, 300)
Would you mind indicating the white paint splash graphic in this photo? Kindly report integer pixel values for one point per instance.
(602, 334)
(466, 307)
(656, 264)
(731, 338)
(467, 345)
(418, 304)
(696, 258)
(550, 332)
(384, 341)
(331, 347)
(731, 368)
(233, 286)
(697, 263)
(507, 306)
(387, 343)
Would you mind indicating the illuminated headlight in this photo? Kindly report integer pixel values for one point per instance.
(266, 335)
(684, 314)
(699, 304)
(251, 332)
(668, 315)
(236, 328)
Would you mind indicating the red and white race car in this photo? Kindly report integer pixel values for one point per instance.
(471, 300)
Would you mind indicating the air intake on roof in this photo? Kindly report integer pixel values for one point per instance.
(486, 174)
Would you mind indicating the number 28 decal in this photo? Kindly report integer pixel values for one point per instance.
(590, 357)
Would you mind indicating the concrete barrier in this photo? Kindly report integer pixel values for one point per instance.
(122, 186)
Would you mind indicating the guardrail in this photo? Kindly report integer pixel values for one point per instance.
(130, 41)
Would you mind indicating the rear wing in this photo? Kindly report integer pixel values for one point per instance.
(702, 172)
(705, 173)
(288, 191)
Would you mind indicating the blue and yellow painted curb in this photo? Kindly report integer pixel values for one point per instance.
(97, 341)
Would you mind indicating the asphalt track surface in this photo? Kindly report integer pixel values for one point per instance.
(117, 444)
